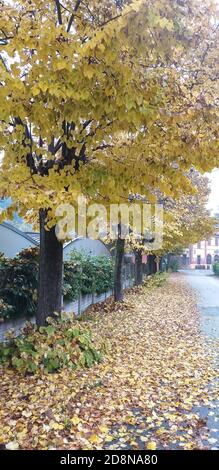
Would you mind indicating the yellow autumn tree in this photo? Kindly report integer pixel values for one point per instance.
(102, 99)
(186, 221)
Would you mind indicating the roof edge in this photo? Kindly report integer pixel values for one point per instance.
(19, 232)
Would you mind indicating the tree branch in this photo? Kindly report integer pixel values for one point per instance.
(73, 15)
(64, 8)
(4, 63)
(102, 147)
(59, 13)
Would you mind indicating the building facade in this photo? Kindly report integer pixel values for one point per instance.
(204, 253)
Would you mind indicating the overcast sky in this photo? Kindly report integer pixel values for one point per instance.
(214, 196)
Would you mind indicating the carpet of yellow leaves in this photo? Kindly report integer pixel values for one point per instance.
(158, 373)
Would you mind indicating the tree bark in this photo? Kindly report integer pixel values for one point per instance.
(50, 273)
(118, 287)
(152, 266)
(168, 260)
(161, 265)
(138, 268)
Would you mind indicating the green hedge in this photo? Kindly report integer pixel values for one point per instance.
(174, 265)
(87, 274)
(19, 279)
(18, 283)
(216, 268)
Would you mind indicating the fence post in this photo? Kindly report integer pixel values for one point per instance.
(79, 303)
(133, 274)
(130, 271)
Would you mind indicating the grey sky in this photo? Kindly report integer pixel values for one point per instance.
(213, 204)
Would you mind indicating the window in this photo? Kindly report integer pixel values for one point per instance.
(199, 245)
(199, 259)
(208, 259)
(216, 241)
(209, 242)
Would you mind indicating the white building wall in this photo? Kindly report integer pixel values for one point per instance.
(92, 247)
(11, 242)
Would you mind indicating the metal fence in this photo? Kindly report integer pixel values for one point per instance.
(78, 306)
(84, 301)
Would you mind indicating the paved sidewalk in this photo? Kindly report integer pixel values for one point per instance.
(206, 285)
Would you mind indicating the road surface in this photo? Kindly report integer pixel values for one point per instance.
(206, 285)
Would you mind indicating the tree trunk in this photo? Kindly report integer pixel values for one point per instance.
(152, 266)
(118, 288)
(50, 273)
(168, 261)
(138, 268)
(161, 265)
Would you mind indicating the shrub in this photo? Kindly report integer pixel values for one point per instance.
(6, 310)
(155, 280)
(72, 281)
(19, 279)
(216, 268)
(174, 265)
(18, 283)
(87, 274)
(63, 344)
(102, 273)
